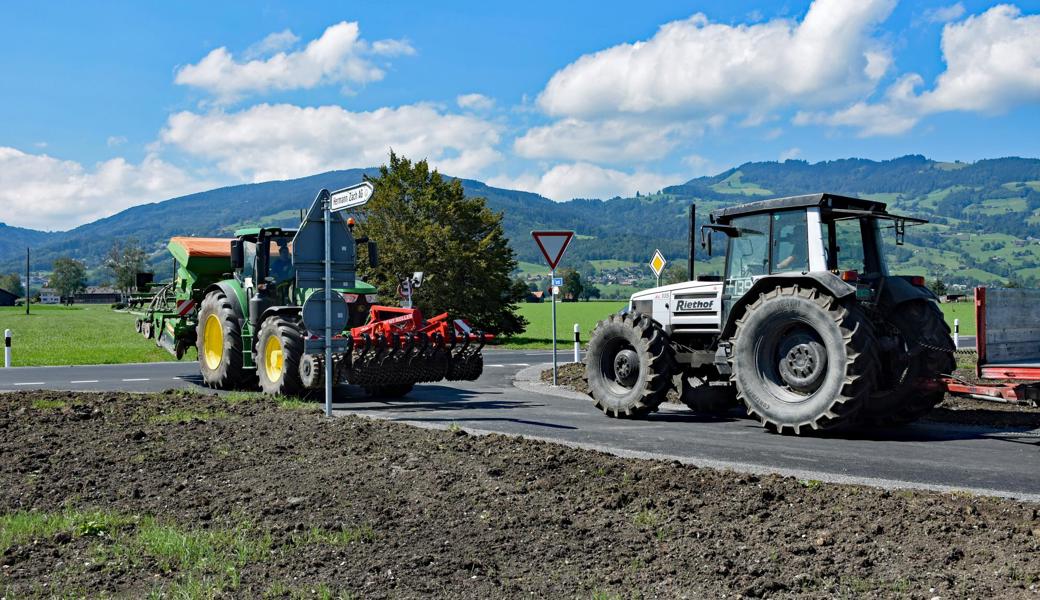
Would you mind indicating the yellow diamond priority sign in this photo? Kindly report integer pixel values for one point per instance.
(657, 263)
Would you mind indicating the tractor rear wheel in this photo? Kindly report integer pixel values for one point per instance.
(926, 352)
(628, 365)
(801, 360)
(219, 342)
(279, 348)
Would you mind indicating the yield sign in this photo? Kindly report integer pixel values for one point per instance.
(657, 263)
(552, 244)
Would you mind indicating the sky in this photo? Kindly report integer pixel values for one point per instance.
(106, 105)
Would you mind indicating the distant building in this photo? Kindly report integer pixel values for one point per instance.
(7, 298)
(538, 296)
(49, 296)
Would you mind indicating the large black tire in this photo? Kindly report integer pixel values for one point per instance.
(389, 391)
(279, 348)
(221, 360)
(926, 353)
(628, 365)
(801, 360)
(700, 396)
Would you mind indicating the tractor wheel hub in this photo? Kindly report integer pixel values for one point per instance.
(802, 362)
(626, 367)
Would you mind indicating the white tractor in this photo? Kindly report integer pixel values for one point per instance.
(806, 327)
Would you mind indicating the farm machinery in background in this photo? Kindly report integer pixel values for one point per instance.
(806, 328)
(238, 301)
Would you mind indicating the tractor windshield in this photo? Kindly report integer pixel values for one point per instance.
(281, 269)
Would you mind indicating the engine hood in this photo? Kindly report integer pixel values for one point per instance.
(679, 288)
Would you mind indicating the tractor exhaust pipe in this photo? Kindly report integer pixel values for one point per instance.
(693, 234)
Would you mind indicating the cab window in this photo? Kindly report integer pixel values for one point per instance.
(790, 242)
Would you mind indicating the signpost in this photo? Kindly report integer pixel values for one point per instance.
(329, 259)
(657, 264)
(553, 244)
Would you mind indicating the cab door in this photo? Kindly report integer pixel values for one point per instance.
(747, 258)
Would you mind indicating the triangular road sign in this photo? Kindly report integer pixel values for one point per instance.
(552, 244)
(657, 263)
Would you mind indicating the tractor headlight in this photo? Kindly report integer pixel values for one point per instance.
(350, 298)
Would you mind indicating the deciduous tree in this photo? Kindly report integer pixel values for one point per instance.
(69, 276)
(424, 222)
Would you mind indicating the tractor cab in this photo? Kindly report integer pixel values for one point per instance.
(262, 261)
(834, 240)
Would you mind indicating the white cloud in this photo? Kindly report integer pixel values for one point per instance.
(790, 153)
(338, 56)
(283, 141)
(992, 65)
(695, 66)
(607, 140)
(43, 192)
(942, 14)
(275, 42)
(115, 140)
(699, 165)
(475, 102)
(584, 180)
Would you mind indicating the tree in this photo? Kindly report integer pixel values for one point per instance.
(572, 285)
(589, 292)
(69, 276)
(423, 222)
(12, 282)
(124, 261)
(674, 273)
(938, 287)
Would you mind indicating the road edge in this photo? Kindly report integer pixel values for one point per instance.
(529, 379)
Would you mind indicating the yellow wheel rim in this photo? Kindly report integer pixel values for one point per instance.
(213, 342)
(273, 358)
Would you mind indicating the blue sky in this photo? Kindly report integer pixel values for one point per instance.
(107, 105)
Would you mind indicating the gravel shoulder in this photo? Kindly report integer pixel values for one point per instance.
(204, 496)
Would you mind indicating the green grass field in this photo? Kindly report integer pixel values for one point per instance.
(539, 318)
(77, 335)
(95, 334)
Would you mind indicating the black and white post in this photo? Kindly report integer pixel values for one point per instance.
(577, 343)
(7, 348)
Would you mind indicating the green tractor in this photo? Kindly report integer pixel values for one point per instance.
(240, 303)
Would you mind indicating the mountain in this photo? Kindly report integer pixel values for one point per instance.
(984, 215)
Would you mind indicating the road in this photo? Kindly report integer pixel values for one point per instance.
(925, 455)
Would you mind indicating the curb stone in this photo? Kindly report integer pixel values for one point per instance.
(529, 379)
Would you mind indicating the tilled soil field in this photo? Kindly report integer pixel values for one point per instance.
(956, 410)
(197, 496)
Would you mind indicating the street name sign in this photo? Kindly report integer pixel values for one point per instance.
(351, 197)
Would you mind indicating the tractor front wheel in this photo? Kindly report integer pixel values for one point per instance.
(219, 342)
(802, 360)
(629, 365)
(279, 348)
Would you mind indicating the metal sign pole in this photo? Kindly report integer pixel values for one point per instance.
(552, 299)
(328, 306)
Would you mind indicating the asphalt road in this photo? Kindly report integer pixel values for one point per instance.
(925, 455)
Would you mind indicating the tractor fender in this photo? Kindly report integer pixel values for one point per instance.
(293, 312)
(826, 282)
(898, 290)
(232, 289)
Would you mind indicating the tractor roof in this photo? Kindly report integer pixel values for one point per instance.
(247, 232)
(808, 200)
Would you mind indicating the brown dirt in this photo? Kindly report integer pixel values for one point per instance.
(456, 515)
(956, 410)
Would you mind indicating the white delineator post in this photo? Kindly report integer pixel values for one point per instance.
(956, 333)
(7, 348)
(577, 343)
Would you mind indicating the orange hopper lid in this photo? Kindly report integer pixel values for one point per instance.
(205, 247)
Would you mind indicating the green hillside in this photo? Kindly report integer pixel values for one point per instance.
(985, 216)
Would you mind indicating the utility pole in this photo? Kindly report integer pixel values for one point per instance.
(26, 280)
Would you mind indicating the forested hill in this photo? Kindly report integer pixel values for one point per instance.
(984, 214)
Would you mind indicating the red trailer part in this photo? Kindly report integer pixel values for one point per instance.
(1007, 323)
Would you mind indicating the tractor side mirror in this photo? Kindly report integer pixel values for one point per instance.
(707, 230)
(237, 255)
(373, 254)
